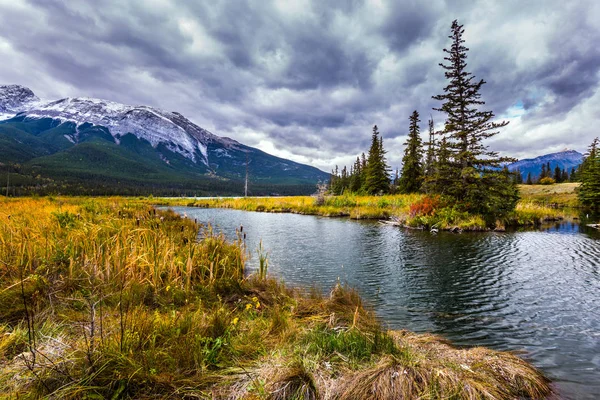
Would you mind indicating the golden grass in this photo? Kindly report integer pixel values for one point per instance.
(557, 195)
(109, 298)
(356, 207)
(539, 203)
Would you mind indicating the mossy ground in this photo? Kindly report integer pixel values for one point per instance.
(110, 298)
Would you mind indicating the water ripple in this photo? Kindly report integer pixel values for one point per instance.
(532, 291)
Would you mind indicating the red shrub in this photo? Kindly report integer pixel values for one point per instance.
(425, 206)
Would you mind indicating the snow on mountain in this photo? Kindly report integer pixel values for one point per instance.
(156, 126)
(14, 98)
(566, 159)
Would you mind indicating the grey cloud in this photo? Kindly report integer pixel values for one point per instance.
(312, 79)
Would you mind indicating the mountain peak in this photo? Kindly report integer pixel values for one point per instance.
(158, 140)
(14, 97)
(565, 159)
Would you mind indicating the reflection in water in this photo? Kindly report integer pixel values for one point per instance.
(536, 291)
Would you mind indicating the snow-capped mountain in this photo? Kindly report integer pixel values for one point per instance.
(15, 98)
(566, 159)
(156, 126)
(57, 130)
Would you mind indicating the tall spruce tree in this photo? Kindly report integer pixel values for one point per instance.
(376, 178)
(544, 173)
(476, 180)
(430, 159)
(412, 166)
(356, 180)
(557, 174)
(589, 174)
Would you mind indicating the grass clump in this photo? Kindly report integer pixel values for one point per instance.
(110, 298)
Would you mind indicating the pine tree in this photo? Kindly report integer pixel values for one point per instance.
(412, 168)
(589, 191)
(356, 180)
(574, 176)
(376, 179)
(518, 177)
(557, 174)
(529, 181)
(543, 173)
(430, 160)
(443, 171)
(476, 181)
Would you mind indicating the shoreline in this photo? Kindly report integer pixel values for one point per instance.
(412, 211)
(121, 299)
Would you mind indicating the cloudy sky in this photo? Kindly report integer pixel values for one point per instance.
(307, 80)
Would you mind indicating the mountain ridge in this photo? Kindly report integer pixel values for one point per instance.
(566, 159)
(181, 147)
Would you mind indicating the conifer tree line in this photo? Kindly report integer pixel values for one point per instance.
(589, 174)
(369, 175)
(457, 164)
(549, 175)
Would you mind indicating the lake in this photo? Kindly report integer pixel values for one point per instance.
(536, 292)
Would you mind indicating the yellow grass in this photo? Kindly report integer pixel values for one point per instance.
(539, 203)
(557, 195)
(109, 298)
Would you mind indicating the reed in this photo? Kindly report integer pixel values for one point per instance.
(111, 298)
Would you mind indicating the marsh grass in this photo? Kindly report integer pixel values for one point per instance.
(411, 210)
(557, 195)
(110, 298)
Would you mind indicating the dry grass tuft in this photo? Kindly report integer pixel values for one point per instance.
(294, 383)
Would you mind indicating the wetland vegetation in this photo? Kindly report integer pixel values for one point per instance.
(110, 298)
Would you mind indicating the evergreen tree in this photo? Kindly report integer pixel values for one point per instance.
(443, 171)
(574, 176)
(529, 181)
(430, 160)
(376, 179)
(564, 176)
(357, 174)
(589, 191)
(476, 181)
(543, 174)
(412, 168)
(518, 176)
(557, 174)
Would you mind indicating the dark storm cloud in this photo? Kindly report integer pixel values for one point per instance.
(308, 79)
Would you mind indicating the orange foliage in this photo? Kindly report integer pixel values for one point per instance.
(424, 206)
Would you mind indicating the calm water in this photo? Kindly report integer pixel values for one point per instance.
(536, 291)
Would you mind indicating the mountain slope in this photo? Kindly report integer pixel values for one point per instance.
(566, 159)
(83, 141)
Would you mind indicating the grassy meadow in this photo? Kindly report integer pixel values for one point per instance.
(557, 195)
(111, 298)
(538, 204)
